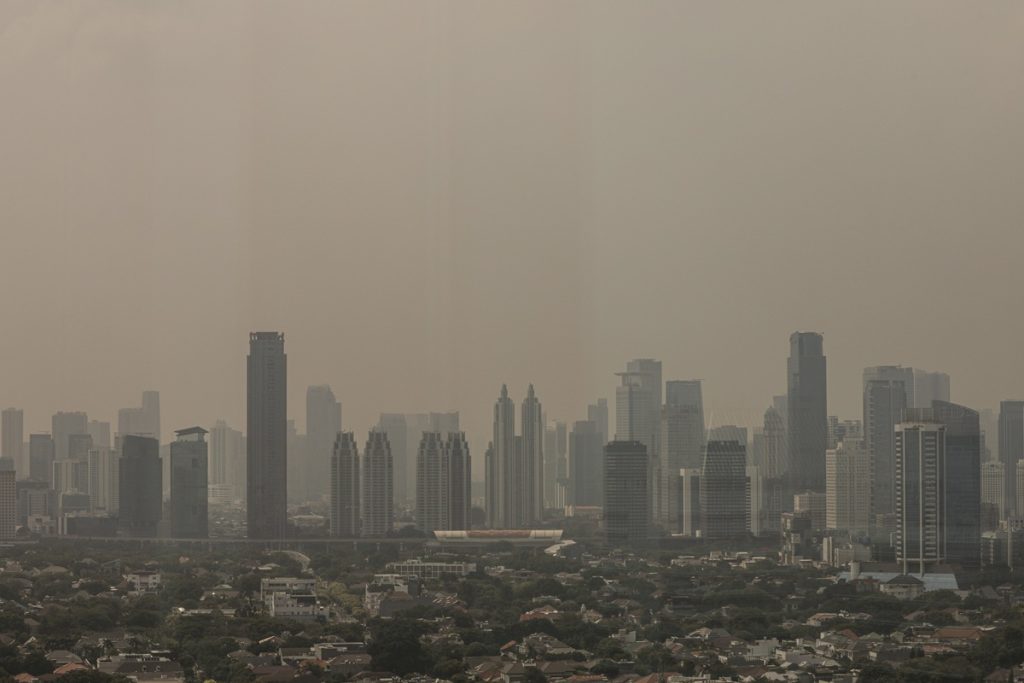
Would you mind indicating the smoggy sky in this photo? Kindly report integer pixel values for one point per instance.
(433, 198)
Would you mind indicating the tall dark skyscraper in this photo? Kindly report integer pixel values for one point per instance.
(345, 504)
(627, 509)
(13, 443)
(1011, 449)
(41, 454)
(682, 444)
(807, 410)
(920, 480)
(598, 414)
(323, 422)
(378, 486)
(432, 484)
(460, 468)
(501, 486)
(140, 486)
(189, 484)
(586, 466)
(724, 501)
(529, 475)
(267, 436)
(962, 482)
(886, 397)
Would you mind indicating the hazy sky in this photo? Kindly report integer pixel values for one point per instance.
(432, 198)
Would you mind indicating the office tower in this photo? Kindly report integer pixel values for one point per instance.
(460, 469)
(781, 405)
(189, 484)
(598, 414)
(8, 503)
(79, 446)
(140, 486)
(431, 484)
(756, 512)
(638, 404)
(63, 425)
(586, 465)
(345, 486)
(961, 480)
(988, 419)
(993, 495)
(724, 499)
(35, 499)
(142, 420)
(530, 476)
(41, 455)
(689, 501)
(99, 432)
(555, 465)
(920, 512)
(848, 487)
(12, 424)
(728, 433)
(627, 509)
(843, 430)
(776, 455)
(417, 423)
(71, 476)
(490, 485)
(807, 409)
(295, 446)
(682, 444)
(501, 510)
(323, 422)
(267, 436)
(1011, 448)
(813, 505)
(885, 400)
(929, 387)
(378, 486)
(227, 463)
(103, 476)
(393, 424)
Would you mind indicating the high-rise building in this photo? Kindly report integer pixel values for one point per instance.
(627, 510)
(689, 501)
(729, 433)
(140, 486)
(993, 495)
(8, 503)
(345, 486)
(500, 510)
(323, 422)
(103, 479)
(586, 465)
(529, 475)
(12, 424)
(71, 476)
(378, 486)
(227, 462)
(848, 487)
(885, 400)
(460, 470)
(920, 513)
(393, 424)
(1020, 484)
(638, 417)
(99, 432)
(79, 446)
(929, 387)
(724, 499)
(961, 482)
(813, 505)
(189, 484)
(432, 484)
(142, 420)
(598, 414)
(774, 463)
(555, 465)
(682, 445)
(41, 455)
(63, 425)
(843, 430)
(1011, 448)
(267, 437)
(807, 409)
(754, 490)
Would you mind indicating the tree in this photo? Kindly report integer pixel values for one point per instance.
(396, 648)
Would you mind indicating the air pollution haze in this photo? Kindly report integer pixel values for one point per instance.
(432, 199)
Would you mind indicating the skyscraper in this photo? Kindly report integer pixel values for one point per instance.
(99, 432)
(378, 486)
(682, 444)
(266, 429)
(432, 477)
(961, 482)
(460, 469)
(555, 465)
(598, 414)
(920, 512)
(808, 412)
(885, 400)
(103, 479)
(586, 466)
(775, 470)
(529, 477)
(724, 500)
(638, 416)
(929, 387)
(140, 486)
(323, 422)
(848, 487)
(993, 495)
(345, 503)
(41, 455)
(143, 420)
(627, 510)
(63, 425)
(393, 424)
(500, 511)
(8, 504)
(1011, 448)
(12, 424)
(189, 484)
(227, 462)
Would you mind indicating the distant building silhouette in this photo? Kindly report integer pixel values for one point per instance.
(227, 461)
(682, 444)
(807, 410)
(962, 482)
(63, 426)
(555, 465)
(886, 398)
(99, 432)
(431, 484)
(266, 430)
(993, 495)
(598, 414)
(627, 509)
(528, 472)
(41, 456)
(460, 470)
(378, 486)
(724, 498)
(920, 513)
(345, 487)
(140, 486)
(8, 503)
(12, 424)
(848, 487)
(586, 465)
(189, 484)
(638, 416)
(1011, 448)
(104, 463)
(928, 387)
(323, 422)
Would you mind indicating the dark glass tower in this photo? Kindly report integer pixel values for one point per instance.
(962, 482)
(807, 410)
(627, 510)
(140, 485)
(1011, 449)
(886, 397)
(266, 430)
(189, 484)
